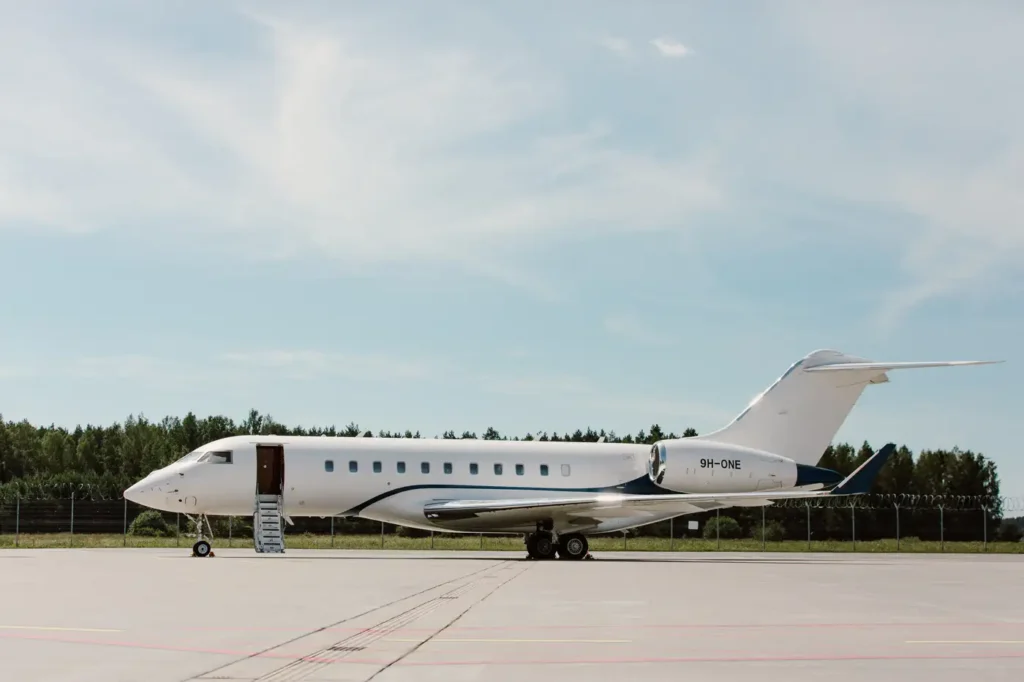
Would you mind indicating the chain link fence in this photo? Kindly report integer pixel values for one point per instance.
(863, 523)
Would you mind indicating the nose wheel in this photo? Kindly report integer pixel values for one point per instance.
(202, 548)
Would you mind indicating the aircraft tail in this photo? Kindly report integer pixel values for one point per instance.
(798, 415)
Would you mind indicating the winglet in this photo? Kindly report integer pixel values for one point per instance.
(860, 481)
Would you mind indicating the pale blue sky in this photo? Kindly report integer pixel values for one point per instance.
(538, 218)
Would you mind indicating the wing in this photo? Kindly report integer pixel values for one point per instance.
(586, 509)
(593, 509)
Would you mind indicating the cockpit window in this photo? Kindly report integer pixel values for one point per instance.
(190, 457)
(216, 457)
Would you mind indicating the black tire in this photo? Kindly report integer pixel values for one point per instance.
(544, 547)
(573, 546)
(201, 549)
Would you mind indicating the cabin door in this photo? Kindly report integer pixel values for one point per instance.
(269, 469)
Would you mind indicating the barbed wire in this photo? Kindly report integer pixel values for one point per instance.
(85, 492)
(1001, 504)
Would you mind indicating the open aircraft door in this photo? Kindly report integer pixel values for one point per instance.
(268, 532)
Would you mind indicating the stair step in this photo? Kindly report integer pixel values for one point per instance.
(268, 531)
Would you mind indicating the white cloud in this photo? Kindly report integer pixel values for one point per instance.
(313, 364)
(582, 394)
(670, 48)
(139, 371)
(620, 45)
(638, 331)
(368, 144)
(937, 134)
(345, 142)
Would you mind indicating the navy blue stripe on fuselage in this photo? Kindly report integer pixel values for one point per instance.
(641, 485)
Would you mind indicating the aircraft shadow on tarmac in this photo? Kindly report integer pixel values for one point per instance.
(795, 561)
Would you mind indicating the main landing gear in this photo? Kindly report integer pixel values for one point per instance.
(202, 547)
(545, 544)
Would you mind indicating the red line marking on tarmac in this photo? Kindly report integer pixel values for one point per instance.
(511, 662)
(710, 659)
(638, 626)
(164, 647)
(534, 662)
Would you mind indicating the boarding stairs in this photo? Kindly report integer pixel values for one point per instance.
(268, 532)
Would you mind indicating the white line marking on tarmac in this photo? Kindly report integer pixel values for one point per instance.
(522, 641)
(965, 641)
(46, 627)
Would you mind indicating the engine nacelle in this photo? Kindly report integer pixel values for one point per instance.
(691, 466)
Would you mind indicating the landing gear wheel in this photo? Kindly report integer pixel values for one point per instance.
(540, 546)
(573, 546)
(545, 547)
(201, 549)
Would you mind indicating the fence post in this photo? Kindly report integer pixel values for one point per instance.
(382, 535)
(942, 531)
(481, 541)
(124, 526)
(17, 518)
(624, 534)
(431, 539)
(984, 528)
(332, 531)
(72, 540)
(762, 527)
(672, 534)
(718, 529)
(230, 530)
(853, 525)
(897, 526)
(177, 529)
(808, 505)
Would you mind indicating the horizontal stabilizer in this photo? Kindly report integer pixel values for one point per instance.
(886, 366)
(861, 480)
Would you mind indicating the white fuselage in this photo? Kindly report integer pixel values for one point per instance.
(391, 479)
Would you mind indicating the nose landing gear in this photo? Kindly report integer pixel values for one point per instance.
(202, 548)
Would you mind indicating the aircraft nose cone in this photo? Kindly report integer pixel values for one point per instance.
(144, 490)
(134, 493)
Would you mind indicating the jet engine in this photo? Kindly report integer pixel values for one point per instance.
(684, 465)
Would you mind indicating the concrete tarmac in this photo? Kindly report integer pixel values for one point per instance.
(81, 615)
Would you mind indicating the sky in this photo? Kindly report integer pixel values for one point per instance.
(525, 215)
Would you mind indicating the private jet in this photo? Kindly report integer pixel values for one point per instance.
(555, 494)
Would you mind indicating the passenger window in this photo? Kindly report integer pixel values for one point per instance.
(329, 465)
(519, 470)
(376, 467)
(353, 466)
(497, 469)
(543, 469)
(474, 469)
(447, 467)
(565, 469)
(401, 467)
(425, 467)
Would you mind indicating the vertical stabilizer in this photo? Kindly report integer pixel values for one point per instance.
(798, 415)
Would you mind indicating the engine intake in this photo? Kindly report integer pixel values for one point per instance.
(656, 463)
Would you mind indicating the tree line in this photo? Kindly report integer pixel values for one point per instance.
(99, 462)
